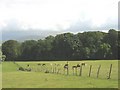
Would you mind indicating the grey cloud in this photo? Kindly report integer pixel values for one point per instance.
(80, 26)
(110, 24)
(14, 30)
(87, 26)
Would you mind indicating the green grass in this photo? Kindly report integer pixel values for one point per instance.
(0, 75)
(12, 78)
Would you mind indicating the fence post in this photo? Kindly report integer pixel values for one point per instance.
(67, 68)
(98, 70)
(58, 71)
(55, 68)
(110, 72)
(80, 71)
(67, 71)
(90, 70)
(51, 69)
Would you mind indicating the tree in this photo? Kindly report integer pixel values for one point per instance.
(43, 49)
(66, 46)
(77, 47)
(62, 46)
(90, 43)
(104, 51)
(11, 49)
(27, 50)
(118, 45)
(112, 39)
(3, 57)
(0, 55)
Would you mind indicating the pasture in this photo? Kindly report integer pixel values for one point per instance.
(0, 75)
(51, 76)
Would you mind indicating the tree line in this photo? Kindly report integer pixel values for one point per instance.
(66, 46)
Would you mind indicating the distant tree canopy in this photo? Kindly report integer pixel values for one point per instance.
(66, 46)
(11, 49)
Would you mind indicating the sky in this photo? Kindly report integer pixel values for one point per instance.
(58, 15)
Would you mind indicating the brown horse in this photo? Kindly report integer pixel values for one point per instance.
(66, 67)
(75, 68)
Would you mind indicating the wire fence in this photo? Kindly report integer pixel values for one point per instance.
(103, 71)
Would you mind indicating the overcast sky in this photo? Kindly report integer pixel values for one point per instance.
(58, 15)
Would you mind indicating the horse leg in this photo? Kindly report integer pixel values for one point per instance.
(73, 70)
(76, 71)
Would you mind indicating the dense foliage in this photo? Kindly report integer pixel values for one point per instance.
(66, 46)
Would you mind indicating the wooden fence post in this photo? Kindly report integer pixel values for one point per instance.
(58, 72)
(55, 68)
(80, 71)
(98, 70)
(90, 70)
(110, 72)
(51, 69)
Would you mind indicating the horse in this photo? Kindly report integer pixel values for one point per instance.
(75, 68)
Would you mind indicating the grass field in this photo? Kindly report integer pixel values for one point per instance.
(13, 78)
(0, 75)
